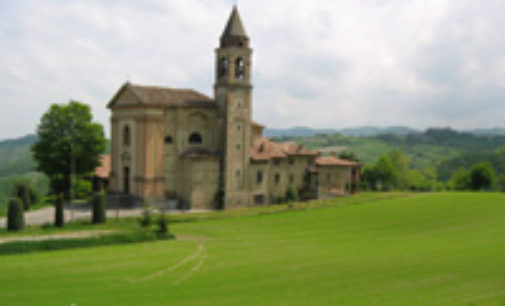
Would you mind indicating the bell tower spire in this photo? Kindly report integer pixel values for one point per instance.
(233, 95)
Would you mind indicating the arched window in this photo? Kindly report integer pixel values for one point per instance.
(239, 68)
(126, 136)
(223, 67)
(195, 138)
(168, 139)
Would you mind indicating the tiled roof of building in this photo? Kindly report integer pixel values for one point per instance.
(267, 149)
(334, 161)
(104, 169)
(166, 97)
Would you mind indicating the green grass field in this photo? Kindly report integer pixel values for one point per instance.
(422, 249)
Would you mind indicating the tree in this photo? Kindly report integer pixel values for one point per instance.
(66, 131)
(460, 179)
(482, 176)
(348, 155)
(15, 215)
(501, 182)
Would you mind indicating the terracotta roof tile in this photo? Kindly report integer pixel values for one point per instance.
(334, 161)
(104, 169)
(166, 97)
(267, 149)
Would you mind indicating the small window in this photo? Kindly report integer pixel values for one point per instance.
(259, 177)
(277, 161)
(238, 127)
(239, 68)
(238, 146)
(291, 178)
(195, 138)
(168, 140)
(237, 173)
(277, 178)
(291, 161)
(223, 67)
(126, 136)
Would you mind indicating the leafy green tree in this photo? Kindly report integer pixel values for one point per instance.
(460, 179)
(400, 164)
(501, 182)
(348, 155)
(482, 176)
(66, 131)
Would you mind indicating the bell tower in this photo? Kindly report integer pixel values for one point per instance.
(233, 91)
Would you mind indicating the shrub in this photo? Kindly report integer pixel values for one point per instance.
(219, 198)
(482, 176)
(98, 208)
(147, 216)
(291, 194)
(22, 191)
(162, 225)
(15, 216)
(58, 212)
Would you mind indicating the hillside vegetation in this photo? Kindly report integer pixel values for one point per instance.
(421, 249)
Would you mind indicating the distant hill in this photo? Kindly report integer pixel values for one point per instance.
(365, 131)
(16, 157)
(356, 131)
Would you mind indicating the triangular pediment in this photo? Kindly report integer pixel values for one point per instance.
(124, 97)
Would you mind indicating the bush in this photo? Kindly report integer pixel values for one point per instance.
(99, 208)
(15, 216)
(147, 216)
(482, 176)
(22, 191)
(58, 212)
(219, 198)
(291, 194)
(162, 225)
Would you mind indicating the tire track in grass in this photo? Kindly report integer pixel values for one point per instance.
(199, 253)
(193, 270)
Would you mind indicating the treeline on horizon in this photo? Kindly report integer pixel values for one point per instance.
(433, 158)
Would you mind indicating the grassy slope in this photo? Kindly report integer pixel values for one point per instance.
(436, 249)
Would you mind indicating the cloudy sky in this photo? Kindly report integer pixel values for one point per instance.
(320, 63)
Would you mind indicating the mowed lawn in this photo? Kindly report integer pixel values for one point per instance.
(424, 249)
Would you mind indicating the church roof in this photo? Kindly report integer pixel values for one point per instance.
(234, 27)
(164, 96)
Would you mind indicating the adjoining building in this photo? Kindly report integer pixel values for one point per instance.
(179, 144)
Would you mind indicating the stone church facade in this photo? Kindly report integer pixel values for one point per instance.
(179, 144)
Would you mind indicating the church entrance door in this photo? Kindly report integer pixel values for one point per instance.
(126, 180)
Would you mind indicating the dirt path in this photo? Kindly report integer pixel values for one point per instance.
(80, 234)
(46, 215)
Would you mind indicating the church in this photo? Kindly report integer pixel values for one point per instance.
(206, 152)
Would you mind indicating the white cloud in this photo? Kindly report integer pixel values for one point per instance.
(320, 63)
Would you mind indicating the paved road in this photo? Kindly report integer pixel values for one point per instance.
(46, 215)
